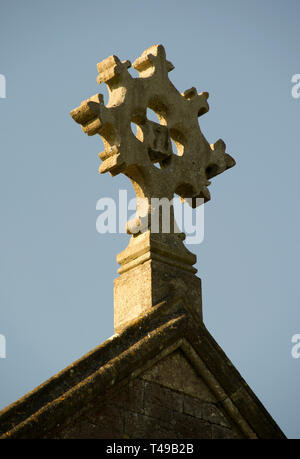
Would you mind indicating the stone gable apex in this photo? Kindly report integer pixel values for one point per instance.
(126, 356)
(176, 403)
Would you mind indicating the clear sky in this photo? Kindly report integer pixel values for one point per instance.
(57, 272)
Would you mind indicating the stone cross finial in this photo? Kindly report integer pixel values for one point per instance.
(147, 158)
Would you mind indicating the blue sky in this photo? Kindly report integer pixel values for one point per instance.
(57, 272)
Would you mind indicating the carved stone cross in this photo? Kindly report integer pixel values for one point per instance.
(154, 265)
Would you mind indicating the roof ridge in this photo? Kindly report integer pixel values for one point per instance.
(84, 368)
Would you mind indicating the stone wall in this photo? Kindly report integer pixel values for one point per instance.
(149, 407)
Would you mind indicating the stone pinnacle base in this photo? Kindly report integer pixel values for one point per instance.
(154, 268)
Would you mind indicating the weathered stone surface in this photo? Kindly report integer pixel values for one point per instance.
(193, 407)
(156, 262)
(106, 422)
(222, 433)
(101, 394)
(145, 409)
(167, 401)
(175, 372)
(136, 291)
(186, 173)
(143, 426)
(212, 414)
(131, 397)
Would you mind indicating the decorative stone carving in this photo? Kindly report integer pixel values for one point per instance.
(149, 160)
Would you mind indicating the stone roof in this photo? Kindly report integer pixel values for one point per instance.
(122, 358)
